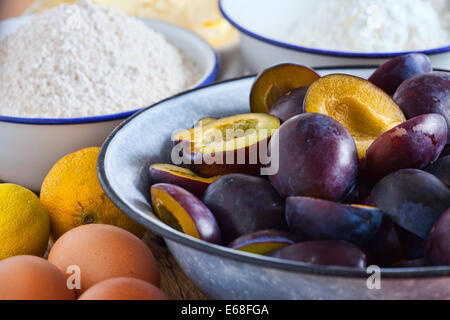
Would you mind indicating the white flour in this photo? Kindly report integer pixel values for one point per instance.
(375, 25)
(83, 60)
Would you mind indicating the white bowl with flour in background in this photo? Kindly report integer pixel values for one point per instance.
(271, 32)
(29, 147)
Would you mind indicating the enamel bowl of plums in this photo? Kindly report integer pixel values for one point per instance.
(297, 183)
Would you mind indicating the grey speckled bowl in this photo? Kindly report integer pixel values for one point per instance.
(222, 273)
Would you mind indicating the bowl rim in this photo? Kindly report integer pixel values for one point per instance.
(335, 53)
(208, 77)
(223, 251)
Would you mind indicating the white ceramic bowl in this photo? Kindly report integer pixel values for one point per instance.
(30, 147)
(263, 26)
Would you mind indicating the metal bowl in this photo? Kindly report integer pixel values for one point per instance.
(220, 272)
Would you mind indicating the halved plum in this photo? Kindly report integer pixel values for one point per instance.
(441, 170)
(362, 108)
(204, 121)
(327, 253)
(438, 246)
(190, 134)
(184, 212)
(317, 158)
(391, 74)
(426, 93)
(233, 144)
(413, 144)
(317, 219)
(413, 199)
(243, 204)
(182, 177)
(290, 104)
(275, 81)
(264, 242)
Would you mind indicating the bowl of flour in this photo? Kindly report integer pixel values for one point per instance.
(70, 75)
(336, 33)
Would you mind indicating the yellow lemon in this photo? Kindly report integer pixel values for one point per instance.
(73, 196)
(24, 222)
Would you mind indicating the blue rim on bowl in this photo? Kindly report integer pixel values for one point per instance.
(167, 232)
(365, 55)
(205, 80)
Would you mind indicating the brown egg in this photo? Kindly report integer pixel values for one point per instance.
(98, 252)
(32, 278)
(123, 289)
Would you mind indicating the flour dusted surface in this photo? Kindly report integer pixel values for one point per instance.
(82, 60)
(375, 25)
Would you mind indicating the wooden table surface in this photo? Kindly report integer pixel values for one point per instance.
(173, 281)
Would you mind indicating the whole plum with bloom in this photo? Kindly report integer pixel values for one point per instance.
(317, 158)
(243, 204)
(426, 93)
(413, 144)
(316, 219)
(390, 75)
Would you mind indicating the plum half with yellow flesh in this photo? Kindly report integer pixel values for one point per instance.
(362, 108)
(184, 212)
(317, 219)
(182, 177)
(233, 144)
(275, 81)
(317, 158)
(243, 204)
(263, 242)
